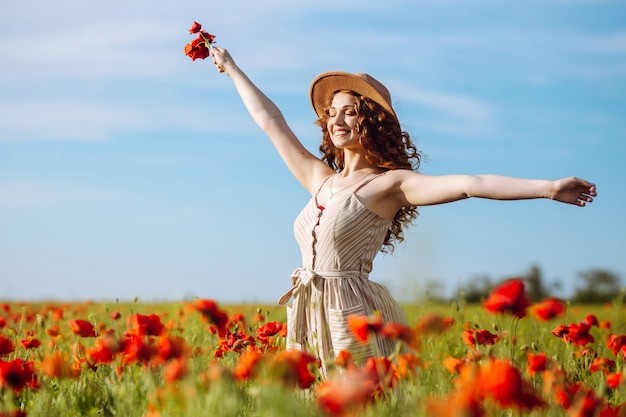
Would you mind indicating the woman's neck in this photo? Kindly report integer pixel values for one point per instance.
(357, 165)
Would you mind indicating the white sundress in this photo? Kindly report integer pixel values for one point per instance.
(338, 245)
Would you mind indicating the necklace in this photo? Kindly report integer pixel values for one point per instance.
(330, 186)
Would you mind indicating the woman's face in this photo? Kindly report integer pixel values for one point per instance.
(342, 121)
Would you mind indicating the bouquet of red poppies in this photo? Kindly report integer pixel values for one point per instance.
(199, 47)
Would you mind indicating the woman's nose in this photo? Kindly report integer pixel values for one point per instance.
(337, 119)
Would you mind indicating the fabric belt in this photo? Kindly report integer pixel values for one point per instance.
(301, 280)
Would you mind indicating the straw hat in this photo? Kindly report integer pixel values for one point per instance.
(327, 83)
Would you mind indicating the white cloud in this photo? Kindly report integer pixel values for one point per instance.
(65, 120)
(448, 112)
(88, 121)
(23, 193)
(134, 49)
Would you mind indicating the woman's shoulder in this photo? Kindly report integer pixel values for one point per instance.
(400, 175)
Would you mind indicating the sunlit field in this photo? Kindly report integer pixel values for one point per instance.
(504, 357)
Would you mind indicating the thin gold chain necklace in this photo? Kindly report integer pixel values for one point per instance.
(330, 186)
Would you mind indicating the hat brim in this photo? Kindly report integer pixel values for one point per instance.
(330, 82)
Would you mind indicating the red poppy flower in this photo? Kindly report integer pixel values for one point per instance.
(617, 344)
(566, 393)
(6, 346)
(585, 403)
(454, 365)
(136, 349)
(103, 350)
(397, 331)
(247, 364)
(591, 320)
(258, 318)
(54, 330)
(548, 309)
(146, 325)
(503, 382)
(473, 337)
(536, 363)
(432, 324)
(407, 365)
(196, 49)
(57, 314)
(468, 337)
(345, 393)
(381, 371)
(14, 413)
(57, 366)
(175, 370)
(199, 47)
(360, 326)
(237, 319)
(460, 403)
(211, 312)
(613, 380)
(508, 297)
(602, 365)
(30, 343)
(578, 334)
(560, 331)
(268, 330)
(293, 368)
(17, 374)
(82, 328)
(613, 410)
(172, 347)
(236, 342)
(344, 359)
(195, 28)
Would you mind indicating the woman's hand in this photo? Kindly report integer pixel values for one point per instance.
(573, 190)
(222, 59)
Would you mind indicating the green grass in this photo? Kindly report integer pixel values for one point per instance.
(208, 389)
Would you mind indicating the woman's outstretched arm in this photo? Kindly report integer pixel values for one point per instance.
(307, 168)
(421, 190)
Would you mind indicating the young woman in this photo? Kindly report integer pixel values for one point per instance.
(364, 189)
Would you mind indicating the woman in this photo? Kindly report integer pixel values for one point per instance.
(364, 190)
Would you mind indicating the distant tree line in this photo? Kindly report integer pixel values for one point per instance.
(594, 286)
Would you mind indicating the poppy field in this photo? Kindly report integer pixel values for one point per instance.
(503, 357)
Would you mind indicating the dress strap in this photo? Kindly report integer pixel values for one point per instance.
(320, 189)
(368, 180)
(322, 185)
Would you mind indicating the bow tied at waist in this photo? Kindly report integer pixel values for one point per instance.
(303, 297)
(302, 277)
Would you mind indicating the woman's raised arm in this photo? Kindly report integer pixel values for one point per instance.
(307, 168)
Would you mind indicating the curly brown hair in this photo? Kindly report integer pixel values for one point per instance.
(387, 146)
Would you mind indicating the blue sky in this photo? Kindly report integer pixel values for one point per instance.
(127, 170)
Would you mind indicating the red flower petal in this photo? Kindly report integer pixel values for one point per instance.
(508, 297)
